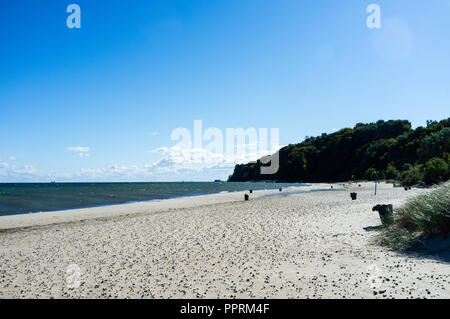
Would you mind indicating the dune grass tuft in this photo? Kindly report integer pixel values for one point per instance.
(421, 217)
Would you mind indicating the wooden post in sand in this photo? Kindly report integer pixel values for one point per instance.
(376, 182)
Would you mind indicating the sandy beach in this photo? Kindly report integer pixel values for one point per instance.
(309, 245)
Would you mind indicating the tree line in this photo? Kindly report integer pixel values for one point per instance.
(390, 148)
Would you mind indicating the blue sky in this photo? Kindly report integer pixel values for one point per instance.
(93, 104)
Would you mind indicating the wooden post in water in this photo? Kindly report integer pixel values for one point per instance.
(376, 182)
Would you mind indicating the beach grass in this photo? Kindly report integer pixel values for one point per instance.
(420, 218)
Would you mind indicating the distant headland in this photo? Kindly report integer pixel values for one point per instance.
(391, 149)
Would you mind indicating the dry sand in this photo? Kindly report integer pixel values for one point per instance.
(312, 245)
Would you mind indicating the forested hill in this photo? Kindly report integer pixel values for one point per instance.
(392, 148)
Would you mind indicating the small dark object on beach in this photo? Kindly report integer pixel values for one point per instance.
(406, 188)
(251, 191)
(331, 186)
(409, 188)
(281, 189)
(386, 213)
(353, 195)
(246, 197)
(359, 185)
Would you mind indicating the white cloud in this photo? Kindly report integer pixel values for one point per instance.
(25, 173)
(113, 171)
(175, 164)
(83, 151)
(154, 133)
(12, 158)
(178, 160)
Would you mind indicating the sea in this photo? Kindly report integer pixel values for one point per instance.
(25, 198)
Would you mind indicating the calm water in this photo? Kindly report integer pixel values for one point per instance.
(31, 198)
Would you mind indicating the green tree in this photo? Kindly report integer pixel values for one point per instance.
(350, 152)
(370, 174)
(435, 169)
(406, 167)
(296, 164)
(392, 172)
(412, 176)
(435, 145)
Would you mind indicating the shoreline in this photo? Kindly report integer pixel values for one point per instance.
(148, 198)
(306, 245)
(22, 220)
